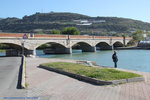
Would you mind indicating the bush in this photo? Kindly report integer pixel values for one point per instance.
(71, 31)
(55, 31)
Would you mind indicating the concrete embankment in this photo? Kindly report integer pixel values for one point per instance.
(131, 48)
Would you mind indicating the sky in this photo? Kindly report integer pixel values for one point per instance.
(134, 9)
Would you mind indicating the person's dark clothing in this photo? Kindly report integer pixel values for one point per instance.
(115, 59)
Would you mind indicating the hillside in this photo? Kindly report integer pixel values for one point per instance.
(86, 24)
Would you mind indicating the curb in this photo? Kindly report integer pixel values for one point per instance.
(93, 80)
(23, 73)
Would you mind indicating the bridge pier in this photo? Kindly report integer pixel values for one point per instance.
(13, 52)
(63, 50)
(89, 49)
(105, 48)
(31, 53)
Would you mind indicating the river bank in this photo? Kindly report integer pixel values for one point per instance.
(132, 48)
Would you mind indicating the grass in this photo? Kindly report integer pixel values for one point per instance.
(93, 72)
(2, 50)
(26, 85)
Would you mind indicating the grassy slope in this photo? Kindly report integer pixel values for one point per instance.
(93, 72)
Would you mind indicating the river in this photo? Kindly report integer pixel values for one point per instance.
(138, 60)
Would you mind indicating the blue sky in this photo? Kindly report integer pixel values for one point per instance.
(134, 9)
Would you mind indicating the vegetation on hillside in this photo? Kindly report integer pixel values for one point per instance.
(86, 24)
(71, 31)
(138, 35)
(54, 31)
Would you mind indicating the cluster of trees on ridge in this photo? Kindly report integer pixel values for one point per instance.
(66, 30)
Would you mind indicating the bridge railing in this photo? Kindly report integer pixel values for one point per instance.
(50, 36)
(46, 36)
(10, 35)
(102, 37)
(80, 37)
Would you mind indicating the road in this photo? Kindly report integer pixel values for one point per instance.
(9, 69)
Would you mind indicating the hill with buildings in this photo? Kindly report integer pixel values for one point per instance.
(46, 22)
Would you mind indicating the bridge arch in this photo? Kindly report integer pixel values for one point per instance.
(118, 44)
(84, 46)
(13, 49)
(39, 43)
(81, 42)
(103, 46)
(10, 42)
(53, 48)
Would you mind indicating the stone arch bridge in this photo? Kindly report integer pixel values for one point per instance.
(61, 43)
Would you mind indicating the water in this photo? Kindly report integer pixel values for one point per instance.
(2, 53)
(138, 60)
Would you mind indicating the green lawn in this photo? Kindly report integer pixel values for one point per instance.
(2, 50)
(93, 72)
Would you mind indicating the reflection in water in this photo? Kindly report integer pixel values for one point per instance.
(128, 59)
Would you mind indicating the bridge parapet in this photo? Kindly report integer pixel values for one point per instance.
(11, 35)
(20, 35)
(80, 37)
(102, 37)
(50, 36)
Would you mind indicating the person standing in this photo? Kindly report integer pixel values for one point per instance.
(115, 59)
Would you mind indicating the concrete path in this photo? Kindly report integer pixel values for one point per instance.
(9, 70)
(52, 86)
(9, 66)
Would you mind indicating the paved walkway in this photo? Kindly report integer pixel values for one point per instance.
(53, 86)
(9, 70)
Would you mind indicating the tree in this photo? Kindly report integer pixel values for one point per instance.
(54, 31)
(71, 31)
(138, 36)
(148, 34)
